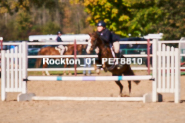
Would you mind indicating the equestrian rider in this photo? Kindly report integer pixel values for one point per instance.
(60, 40)
(107, 37)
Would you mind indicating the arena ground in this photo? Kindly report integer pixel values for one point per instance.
(166, 111)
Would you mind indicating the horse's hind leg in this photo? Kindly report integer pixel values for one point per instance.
(129, 86)
(64, 72)
(129, 72)
(120, 86)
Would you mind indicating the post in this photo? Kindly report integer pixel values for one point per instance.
(24, 96)
(25, 65)
(148, 55)
(3, 74)
(154, 71)
(75, 56)
(177, 76)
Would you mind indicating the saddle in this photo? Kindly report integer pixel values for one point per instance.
(60, 50)
(114, 65)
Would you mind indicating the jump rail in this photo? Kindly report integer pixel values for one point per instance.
(88, 78)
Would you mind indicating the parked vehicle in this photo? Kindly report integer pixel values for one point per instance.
(133, 48)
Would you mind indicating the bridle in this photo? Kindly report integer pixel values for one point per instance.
(94, 44)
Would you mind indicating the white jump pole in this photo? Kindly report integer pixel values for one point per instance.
(24, 95)
(177, 76)
(154, 73)
(88, 78)
(25, 66)
(3, 75)
(89, 98)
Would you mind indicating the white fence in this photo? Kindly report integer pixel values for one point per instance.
(14, 77)
(91, 56)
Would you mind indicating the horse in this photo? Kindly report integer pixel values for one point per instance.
(69, 50)
(105, 52)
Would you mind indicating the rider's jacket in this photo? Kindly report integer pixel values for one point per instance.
(59, 39)
(105, 35)
(108, 36)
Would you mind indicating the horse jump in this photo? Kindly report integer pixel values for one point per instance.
(160, 82)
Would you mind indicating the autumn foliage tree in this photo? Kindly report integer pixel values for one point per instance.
(116, 13)
(21, 18)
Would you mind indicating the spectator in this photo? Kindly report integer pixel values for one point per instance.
(60, 40)
(58, 37)
(87, 63)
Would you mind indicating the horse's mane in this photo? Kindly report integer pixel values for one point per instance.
(97, 36)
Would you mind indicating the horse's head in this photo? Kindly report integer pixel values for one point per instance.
(92, 42)
(80, 47)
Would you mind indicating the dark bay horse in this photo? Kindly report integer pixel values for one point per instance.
(53, 51)
(105, 52)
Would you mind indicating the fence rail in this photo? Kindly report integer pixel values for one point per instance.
(89, 56)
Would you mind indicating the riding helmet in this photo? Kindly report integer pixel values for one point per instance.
(59, 32)
(101, 23)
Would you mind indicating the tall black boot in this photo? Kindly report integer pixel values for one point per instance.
(119, 62)
(98, 61)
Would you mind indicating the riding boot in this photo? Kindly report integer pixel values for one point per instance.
(62, 48)
(119, 61)
(98, 61)
(62, 51)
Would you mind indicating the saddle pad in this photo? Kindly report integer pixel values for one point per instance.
(112, 51)
(58, 49)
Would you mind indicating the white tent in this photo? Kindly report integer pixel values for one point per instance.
(65, 38)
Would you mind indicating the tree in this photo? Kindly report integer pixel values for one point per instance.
(155, 16)
(145, 17)
(116, 13)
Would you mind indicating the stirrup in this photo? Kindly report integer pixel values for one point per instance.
(118, 65)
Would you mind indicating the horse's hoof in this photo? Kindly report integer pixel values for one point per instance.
(98, 71)
(64, 74)
(105, 69)
(70, 74)
(124, 95)
(43, 74)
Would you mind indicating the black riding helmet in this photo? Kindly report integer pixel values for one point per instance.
(59, 32)
(101, 23)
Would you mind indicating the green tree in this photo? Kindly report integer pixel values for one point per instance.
(116, 13)
(23, 24)
(173, 19)
(155, 16)
(145, 17)
(50, 28)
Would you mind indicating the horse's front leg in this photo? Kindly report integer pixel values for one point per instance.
(45, 72)
(64, 72)
(69, 72)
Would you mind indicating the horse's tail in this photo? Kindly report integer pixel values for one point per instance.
(39, 60)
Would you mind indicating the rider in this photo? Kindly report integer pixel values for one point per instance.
(60, 40)
(108, 37)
